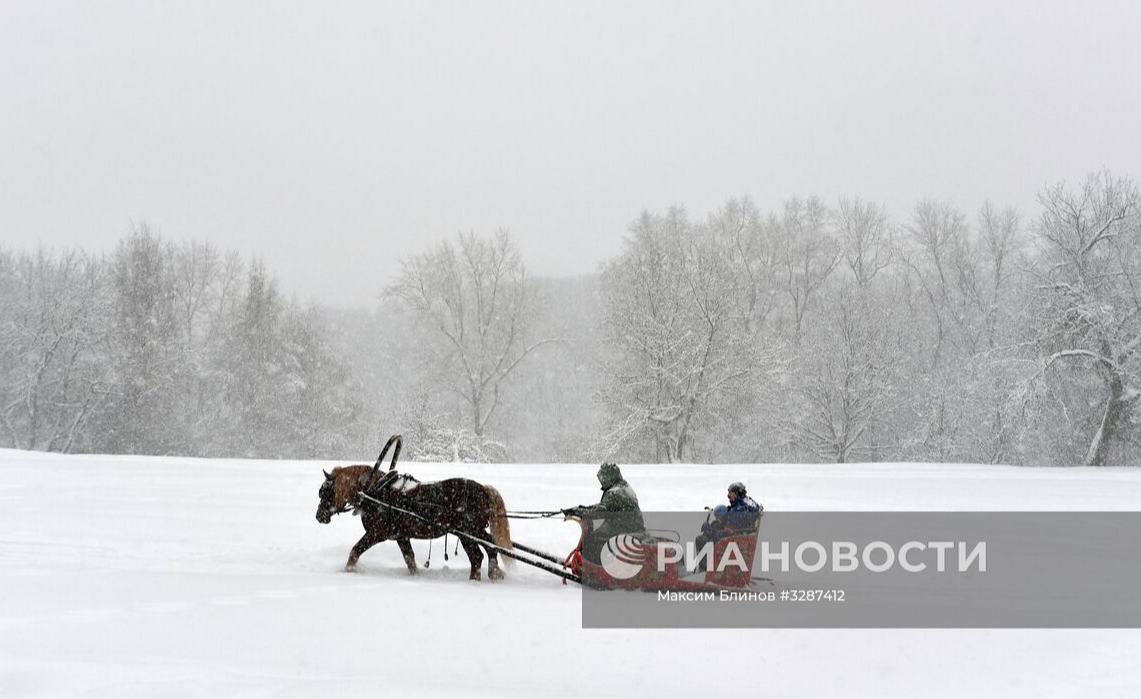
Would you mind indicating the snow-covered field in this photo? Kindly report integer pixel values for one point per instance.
(160, 577)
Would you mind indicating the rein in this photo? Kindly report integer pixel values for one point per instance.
(363, 496)
(529, 514)
(377, 491)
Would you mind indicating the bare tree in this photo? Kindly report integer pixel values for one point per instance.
(53, 316)
(845, 380)
(147, 354)
(992, 316)
(477, 297)
(866, 238)
(673, 311)
(807, 252)
(1089, 317)
(965, 311)
(751, 258)
(195, 271)
(936, 241)
(937, 236)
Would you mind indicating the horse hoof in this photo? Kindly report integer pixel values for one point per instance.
(476, 576)
(413, 571)
(495, 574)
(350, 569)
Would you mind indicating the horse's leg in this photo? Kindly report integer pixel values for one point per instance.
(409, 555)
(500, 532)
(475, 555)
(494, 572)
(366, 542)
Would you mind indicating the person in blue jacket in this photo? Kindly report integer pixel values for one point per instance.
(739, 516)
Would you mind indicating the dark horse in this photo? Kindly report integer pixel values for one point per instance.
(456, 505)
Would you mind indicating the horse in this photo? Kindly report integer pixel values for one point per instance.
(453, 505)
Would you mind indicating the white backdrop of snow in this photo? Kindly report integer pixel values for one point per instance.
(162, 577)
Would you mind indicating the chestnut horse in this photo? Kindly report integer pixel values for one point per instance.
(453, 505)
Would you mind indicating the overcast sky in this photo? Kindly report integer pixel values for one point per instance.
(334, 138)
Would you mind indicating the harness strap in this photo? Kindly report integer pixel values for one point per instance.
(489, 545)
(574, 561)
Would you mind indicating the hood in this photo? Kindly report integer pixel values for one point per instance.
(609, 476)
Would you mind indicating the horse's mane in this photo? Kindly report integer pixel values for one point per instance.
(347, 482)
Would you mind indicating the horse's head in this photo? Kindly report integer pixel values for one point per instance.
(333, 501)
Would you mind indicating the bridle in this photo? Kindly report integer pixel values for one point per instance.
(327, 493)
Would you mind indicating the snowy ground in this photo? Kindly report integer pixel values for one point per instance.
(148, 577)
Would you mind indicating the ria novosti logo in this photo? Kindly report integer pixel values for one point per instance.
(625, 555)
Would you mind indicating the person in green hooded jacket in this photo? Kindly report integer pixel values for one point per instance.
(618, 509)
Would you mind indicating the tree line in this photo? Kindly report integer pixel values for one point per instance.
(157, 348)
(832, 333)
(818, 331)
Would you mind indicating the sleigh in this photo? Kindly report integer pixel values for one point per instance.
(660, 561)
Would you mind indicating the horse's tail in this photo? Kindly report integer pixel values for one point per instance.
(500, 526)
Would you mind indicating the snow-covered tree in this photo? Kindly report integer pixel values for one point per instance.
(256, 373)
(961, 314)
(991, 283)
(845, 375)
(436, 437)
(477, 298)
(685, 352)
(756, 265)
(937, 236)
(53, 326)
(325, 403)
(1088, 320)
(807, 253)
(866, 238)
(147, 352)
